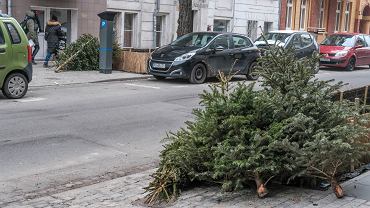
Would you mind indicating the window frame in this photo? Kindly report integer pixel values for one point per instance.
(247, 41)
(227, 24)
(289, 15)
(303, 15)
(322, 14)
(133, 30)
(161, 32)
(11, 35)
(212, 45)
(347, 16)
(302, 42)
(338, 12)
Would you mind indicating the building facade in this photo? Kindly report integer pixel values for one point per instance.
(152, 23)
(77, 16)
(324, 17)
(146, 24)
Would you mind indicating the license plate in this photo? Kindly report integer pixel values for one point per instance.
(159, 66)
(325, 59)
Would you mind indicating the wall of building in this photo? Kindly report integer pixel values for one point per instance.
(3, 7)
(144, 20)
(313, 16)
(87, 10)
(237, 13)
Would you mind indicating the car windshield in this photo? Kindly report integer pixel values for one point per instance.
(197, 40)
(282, 37)
(339, 40)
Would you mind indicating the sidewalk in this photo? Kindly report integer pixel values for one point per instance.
(128, 192)
(47, 76)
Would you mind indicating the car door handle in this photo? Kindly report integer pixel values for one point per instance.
(231, 54)
(2, 50)
(2, 67)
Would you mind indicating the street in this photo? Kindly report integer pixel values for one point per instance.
(82, 134)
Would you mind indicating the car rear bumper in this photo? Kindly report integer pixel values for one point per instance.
(174, 70)
(29, 71)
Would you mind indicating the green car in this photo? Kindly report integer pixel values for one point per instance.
(15, 59)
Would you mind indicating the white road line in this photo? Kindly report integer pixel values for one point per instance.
(181, 86)
(144, 86)
(27, 100)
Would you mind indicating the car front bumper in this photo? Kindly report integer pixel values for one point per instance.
(340, 62)
(170, 69)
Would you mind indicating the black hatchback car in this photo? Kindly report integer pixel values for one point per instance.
(196, 56)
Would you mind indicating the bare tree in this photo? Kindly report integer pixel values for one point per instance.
(185, 20)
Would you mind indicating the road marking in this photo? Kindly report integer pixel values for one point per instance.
(181, 86)
(27, 100)
(144, 86)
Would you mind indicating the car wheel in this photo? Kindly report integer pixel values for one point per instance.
(252, 74)
(15, 86)
(159, 77)
(198, 74)
(351, 64)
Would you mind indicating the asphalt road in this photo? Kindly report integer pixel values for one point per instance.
(58, 138)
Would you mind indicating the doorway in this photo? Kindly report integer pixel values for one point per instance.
(67, 18)
(365, 22)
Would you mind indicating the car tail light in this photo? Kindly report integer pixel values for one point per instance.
(29, 55)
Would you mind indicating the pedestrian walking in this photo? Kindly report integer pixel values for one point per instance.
(31, 25)
(53, 33)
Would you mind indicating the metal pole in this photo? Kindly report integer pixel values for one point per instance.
(10, 7)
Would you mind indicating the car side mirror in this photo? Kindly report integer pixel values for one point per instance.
(219, 48)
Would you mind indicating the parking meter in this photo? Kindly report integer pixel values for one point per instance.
(106, 41)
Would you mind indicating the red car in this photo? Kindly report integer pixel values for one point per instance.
(345, 50)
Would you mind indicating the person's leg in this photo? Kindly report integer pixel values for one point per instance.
(47, 58)
(35, 51)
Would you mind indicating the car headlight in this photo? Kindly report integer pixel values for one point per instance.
(341, 53)
(185, 57)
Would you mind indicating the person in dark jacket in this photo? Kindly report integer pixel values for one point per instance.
(32, 25)
(53, 32)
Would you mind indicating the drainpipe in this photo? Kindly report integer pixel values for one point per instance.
(234, 6)
(10, 7)
(155, 14)
(279, 11)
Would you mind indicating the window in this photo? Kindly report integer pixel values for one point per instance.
(302, 18)
(220, 25)
(222, 41)
(306, 40)
(296, 42)
(289, 14)
(322, 17)
(241, 42)
(128, 32)
(2, 40)
(367, 38)
(252, 29)
(337, 15)
(159, 30)
(360, 41)
(267, 26)
(13, 33)
(347, 16)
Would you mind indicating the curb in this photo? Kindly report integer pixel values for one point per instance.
(99, 81)
(123, 79)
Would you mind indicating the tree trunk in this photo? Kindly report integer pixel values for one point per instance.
(185, 20)
(338, 190)
(261, 189)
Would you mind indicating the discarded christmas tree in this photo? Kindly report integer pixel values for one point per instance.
(290, 128)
